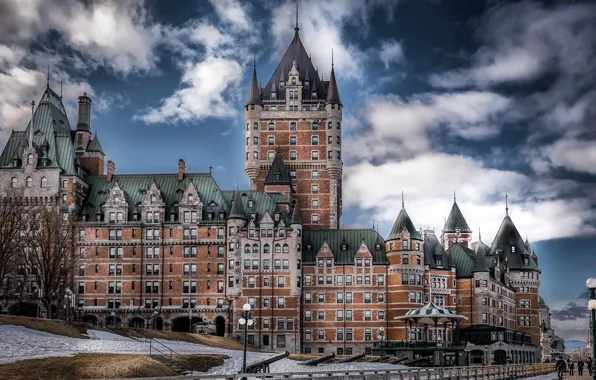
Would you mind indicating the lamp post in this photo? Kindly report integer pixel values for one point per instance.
(591, 284)
(245, 321)
(486, 355)
(382, 335)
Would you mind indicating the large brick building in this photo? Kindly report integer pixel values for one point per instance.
(169, 250)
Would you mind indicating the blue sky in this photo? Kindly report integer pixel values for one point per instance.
(480, 97)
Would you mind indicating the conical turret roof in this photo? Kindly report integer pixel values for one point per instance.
(403, 221)
(296, 216)
(332, 91)
(456, 220)
(480, 264)
(237, 211)
(278, 173)
(254, 92)
(509, 241)
(94, 145)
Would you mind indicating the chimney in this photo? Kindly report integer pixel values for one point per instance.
(111, 170)
(181, 169)
(84, 113)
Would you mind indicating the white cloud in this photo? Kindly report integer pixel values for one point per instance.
(232, 12)
(428, 181)
(575, 155)
(201, 95)
(391, 52)
(399, 128)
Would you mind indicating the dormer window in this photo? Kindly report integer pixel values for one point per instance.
(404, 244)
(273, 96)
(251, 203)
(281, 84)
(276, 217)
(308, 247)
(153, 198)
(513, 249)
(30, 159)
(377, 246)
(221, 215)
(314, 94)
(191, 198)
(344, 247)
(457, 231)
(293, 80)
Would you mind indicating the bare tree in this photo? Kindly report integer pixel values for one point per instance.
(580, 354)
(50, 253)
(10, 241)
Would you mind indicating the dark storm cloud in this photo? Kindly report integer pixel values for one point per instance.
(571, 312)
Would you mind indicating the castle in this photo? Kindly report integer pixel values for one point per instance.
(171, 251)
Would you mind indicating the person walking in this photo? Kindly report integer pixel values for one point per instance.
(571, 367)
(580, 367)
(560, 366)
(590, 366)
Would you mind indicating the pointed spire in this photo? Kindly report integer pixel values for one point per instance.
(296, 28)
(332, 91)
(278, 173)
(454, 199)
(480, 264)
(60, 88)
(32, 125)
(479, 235)
(506, 205)
(210, 168)
(48, 77)
(295, 215)
(237, 211)
(254, 94)
(402, 199)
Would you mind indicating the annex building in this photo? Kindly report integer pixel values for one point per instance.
(171, 251)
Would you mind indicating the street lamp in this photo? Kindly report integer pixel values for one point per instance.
(591, 284)
(245, 321)
(381, 335)
(486, 355)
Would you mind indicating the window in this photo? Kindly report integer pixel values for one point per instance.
(14, 182)
(329, 154)
(292, 155)
(315, 189)
(292, 140)
(270, 156)
(380, 279)
(315, 219)
(404, 279)
(405, 259)
(29, 182)
(271, 126)
(271, 140)
(281, 302)
(314, 155)
(381, 315)
(281, 341)
(339, 315)
(404, 244)
(314, 140)
(367, 297)
(315, 174)
(367, 315)
(44, 182)
(292, 126)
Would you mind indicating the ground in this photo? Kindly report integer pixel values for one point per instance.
(54, 326)
(100, 366)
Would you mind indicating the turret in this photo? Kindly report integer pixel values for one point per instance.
(456, 228)
(83, 133)
(253, 108)
(333, 155)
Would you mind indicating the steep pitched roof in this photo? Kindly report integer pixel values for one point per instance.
(296, 52)
(480, 247)
(352, 238)
(278, 173)
(462, 259)
(257, 203)
(403, 221)
(509, 241)
(296, 216)
(456, 220)
(480, 264)
(433, 250)
(332, 91)
(94, 145)
(50, 126)
(254, 92)
(237, 211)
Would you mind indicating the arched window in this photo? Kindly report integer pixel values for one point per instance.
(247, 126)
(286, 248)
(293, 80)
(191, 198)
(292, 126)
(255, 248)
(44, 182)
(277, 248)
(315, 126)
(266, 248)
(247, 139)
(247, 248)
(29, 182)
(13, 182)
(329, 125)
(338, 125)
(153, 198)
(271, 126)
(30, 159)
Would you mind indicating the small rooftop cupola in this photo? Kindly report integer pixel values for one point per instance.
(332, 91)
(237, 211)
(254, 93)
(402, 222)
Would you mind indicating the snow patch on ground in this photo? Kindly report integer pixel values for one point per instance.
(104, 335)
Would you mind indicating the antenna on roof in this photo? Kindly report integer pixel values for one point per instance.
(331, 58)
(402, 199)
(31, 126)
(60, 89)
(210, 168)
(296, 28)
(506, 205)
(373, 224)
(479, 235)
(454, 196)
(254, 63)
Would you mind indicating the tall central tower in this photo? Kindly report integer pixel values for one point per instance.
(299, 115)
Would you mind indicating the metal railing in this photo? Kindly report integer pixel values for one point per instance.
(153, 346)
(500, 372)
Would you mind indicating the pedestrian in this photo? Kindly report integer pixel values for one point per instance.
(571, 367)
(590, 366)
(560, 366)
(580, 367)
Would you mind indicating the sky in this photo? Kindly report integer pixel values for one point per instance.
(484, 98)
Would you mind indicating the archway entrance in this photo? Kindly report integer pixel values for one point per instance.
(183, 324)
(500, 357)
(220, 326)
(137, 322)
(477, 357)
(114, 322)
(158, 323)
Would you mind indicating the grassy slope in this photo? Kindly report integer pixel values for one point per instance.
(53, 326)
(101, 366)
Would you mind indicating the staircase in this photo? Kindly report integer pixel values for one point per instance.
(175, 366)
(167, 356)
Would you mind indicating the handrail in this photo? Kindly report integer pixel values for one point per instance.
(172, 352)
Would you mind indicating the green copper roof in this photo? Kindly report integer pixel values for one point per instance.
(94, 145)
(433, 250)
(480, 264)
(463, 260)
(403, 221)
(352, 239)
(296, 216)
(261, 203)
